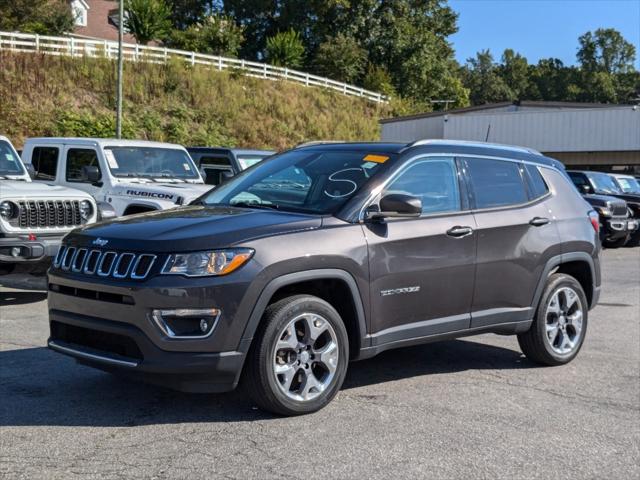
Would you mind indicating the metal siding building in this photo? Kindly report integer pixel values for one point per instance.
(594, 136)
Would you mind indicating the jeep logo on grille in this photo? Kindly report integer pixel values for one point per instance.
(100, 241)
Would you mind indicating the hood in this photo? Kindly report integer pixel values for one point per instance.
(192, 228)
(35, 190)
(604, 200)
(169, 192)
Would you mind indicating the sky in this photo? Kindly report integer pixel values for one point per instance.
(539, 28)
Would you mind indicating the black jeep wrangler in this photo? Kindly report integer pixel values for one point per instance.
(330, 253)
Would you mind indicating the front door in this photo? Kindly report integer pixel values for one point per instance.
(422, 269)
(75, 158)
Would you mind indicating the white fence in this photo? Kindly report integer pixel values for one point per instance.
(77, 47)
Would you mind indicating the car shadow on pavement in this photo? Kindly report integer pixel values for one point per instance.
(21, 297)
(39, 387)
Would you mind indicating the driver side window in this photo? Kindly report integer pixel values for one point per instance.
(434, 181)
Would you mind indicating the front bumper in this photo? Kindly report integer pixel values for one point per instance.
(43, 249)
(125, 349)
(616, 228)
(107, 323)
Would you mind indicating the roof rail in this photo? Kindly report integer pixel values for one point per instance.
(317, 142)
(469, 143)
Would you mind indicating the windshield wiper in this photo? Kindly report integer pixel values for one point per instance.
(265, 206)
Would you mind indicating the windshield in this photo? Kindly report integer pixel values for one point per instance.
(628, 184)
(10, 163)
(247, 161)
(310, 181)
(604, 183)
(150, 162)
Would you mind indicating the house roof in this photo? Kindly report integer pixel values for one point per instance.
(493, 106)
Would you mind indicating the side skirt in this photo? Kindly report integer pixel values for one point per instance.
(510, 328)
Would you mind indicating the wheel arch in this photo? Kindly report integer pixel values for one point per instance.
(325, 284)
(580, 265)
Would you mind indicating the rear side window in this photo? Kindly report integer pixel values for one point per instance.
(496, 183)
(45, 162)
(214, 160)
(78, 158)
(537, 186)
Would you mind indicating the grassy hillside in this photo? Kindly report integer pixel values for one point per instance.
(46, 95)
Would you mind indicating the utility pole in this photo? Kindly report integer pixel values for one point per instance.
(120, 61)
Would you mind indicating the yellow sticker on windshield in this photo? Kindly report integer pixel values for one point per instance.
(376, 158)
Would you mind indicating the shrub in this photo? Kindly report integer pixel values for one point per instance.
(285, 49)
(215, 35)
(147, 19)
(341, 58)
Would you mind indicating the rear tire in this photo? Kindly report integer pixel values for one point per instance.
(560, 324)
(298, 359)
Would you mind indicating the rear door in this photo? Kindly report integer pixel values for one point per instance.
(516, 235)
(422, 269)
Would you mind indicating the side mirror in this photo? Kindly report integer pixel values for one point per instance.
(397, 205)
(30, 170)
(225, 176)
(91, 173)
(584, 189)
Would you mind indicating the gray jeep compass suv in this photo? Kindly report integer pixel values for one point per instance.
(330, 253)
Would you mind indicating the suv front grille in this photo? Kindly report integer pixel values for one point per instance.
(48, 213)
(619, 210)
(104, 263)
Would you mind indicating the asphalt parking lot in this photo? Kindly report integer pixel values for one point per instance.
(471, 408)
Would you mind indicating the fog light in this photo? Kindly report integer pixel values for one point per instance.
(15, 251)
(186, 323)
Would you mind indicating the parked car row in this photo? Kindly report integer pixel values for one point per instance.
(63, 183)
(616, 198)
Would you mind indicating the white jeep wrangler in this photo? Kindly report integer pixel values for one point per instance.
(35, 216)
(124, 176)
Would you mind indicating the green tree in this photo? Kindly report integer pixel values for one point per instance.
(514, 71)
(377, 79)
(607, 51)
(147, 20)
(46, 17)
(481, 76)
(185, 13)
(285, 49)
(340, 58)
(215, 35)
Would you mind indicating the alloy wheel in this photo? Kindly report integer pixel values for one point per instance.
(305, 357)
(564, 320)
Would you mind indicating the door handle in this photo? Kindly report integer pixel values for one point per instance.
(459, 231)
(538, 221)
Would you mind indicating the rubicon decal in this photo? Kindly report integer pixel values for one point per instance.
(397, 291)
(142, 193)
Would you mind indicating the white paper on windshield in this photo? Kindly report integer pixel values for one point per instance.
(369, 164)
(9, 157)
(186, 166)
(111, 159)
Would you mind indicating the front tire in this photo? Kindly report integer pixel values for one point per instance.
(298, 360)
(560, 324)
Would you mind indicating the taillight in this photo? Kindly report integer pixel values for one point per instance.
(595, 220)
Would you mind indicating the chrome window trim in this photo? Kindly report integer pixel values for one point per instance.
(380, 188)
(72, 251)
(104, 256)
(135, 266)
(117, 265)
(86, 270)
(73, 262)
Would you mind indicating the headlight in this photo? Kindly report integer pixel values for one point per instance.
(203, 264)
(604, 211)
(86, 209)
(7, 210)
